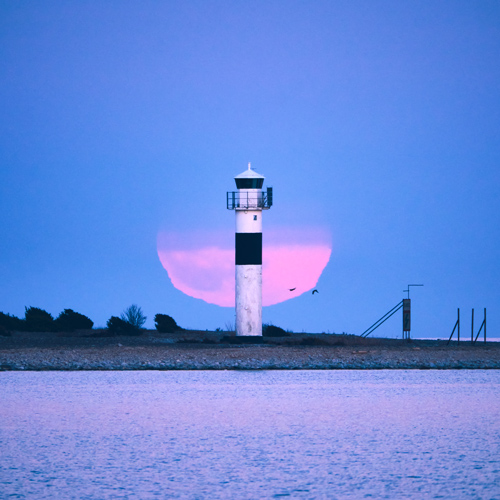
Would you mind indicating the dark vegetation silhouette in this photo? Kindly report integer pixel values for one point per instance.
(274, 331)
(38, 320)
(118, 326)
(134, 316)
(9, 323)
(129, 323)
(166, 324)
(69, 321)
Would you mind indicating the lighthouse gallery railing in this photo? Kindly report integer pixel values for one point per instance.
(248, 200)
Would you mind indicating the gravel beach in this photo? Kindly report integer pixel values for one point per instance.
(215, 351)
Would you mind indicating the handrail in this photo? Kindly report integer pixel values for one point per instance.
(245, 200)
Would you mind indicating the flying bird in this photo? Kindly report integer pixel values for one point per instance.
(292, 289)
(315, 291)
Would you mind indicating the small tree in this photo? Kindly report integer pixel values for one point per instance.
(166, 324)
(69, 321)
(38, 320)
(118, 326)
(134, 316)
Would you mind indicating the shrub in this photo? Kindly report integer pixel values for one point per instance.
(69, 321)
(38, 320)
(118, 326)
(273, 331)
(134, 316)
(11, 323)
(166, 324)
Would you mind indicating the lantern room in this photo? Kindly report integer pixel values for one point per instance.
(249, 195)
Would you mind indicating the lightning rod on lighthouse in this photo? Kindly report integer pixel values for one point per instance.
(248, 202)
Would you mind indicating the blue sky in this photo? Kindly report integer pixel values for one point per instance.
(376, 121)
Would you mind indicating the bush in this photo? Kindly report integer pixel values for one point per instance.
(69, 321)
(273, 331)
(166, 324)
(11, 323)
(134, 316)
(38, 320)
(118, 326)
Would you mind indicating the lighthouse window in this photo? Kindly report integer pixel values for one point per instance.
(249, 183)
(254, 217)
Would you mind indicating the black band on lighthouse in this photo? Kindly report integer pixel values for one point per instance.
(248, 249)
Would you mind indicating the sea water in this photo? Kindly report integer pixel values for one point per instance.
(249, 435)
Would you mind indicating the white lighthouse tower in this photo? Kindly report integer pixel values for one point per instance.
(248, 203)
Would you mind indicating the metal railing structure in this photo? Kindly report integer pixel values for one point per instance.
(383, 319)
(248, 200)
(457, 327)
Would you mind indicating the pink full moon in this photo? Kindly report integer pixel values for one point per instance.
(201, 264)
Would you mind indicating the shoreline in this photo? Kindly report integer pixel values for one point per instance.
(215, 351)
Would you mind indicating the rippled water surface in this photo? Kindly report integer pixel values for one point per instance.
(246, 435)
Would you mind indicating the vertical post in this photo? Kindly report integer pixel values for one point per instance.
(485, 324)
(406, 318)
(458, 319)
(472, 328)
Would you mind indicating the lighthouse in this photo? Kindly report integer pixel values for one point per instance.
(248, 202)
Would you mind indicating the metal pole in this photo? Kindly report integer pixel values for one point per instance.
(485, 324)
(479, 331)
(452, 332)
(385, 317)
(458, 325)
(472, 328)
